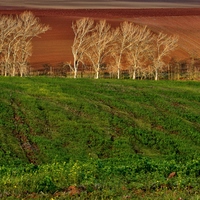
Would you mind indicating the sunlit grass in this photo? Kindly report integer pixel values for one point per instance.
(116, 138)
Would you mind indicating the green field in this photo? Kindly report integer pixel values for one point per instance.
(108, 139)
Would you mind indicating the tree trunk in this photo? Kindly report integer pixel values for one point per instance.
(75, 68)
(118, 66)
(118, 73)
(75, 72)
(21, 73)
(97, 71)
(6, 70)
(156, 75)
(134, 74)
(13, 72)
(97, 74)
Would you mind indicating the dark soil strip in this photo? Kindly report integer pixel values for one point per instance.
(21, 134)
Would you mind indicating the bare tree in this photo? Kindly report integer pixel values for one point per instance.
(8, 27)
(125, 39)
(162, 47)
(31, 27)
(139, 49)
(191, 68)
(101, 41)
(16, 35)
(81, 29)
(24, 52)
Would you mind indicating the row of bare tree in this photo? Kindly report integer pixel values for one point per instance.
(129, 45)
(95, 44)
(16, 33)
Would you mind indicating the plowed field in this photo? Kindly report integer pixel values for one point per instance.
(54, 46)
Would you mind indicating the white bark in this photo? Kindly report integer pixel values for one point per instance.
(100, 45)
(81, 29)
(125, 39)
(16, 33)
(162, 47)
(137, 54)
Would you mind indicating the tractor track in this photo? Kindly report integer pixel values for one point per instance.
(22, 130)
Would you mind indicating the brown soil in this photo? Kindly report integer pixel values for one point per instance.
(54, 46)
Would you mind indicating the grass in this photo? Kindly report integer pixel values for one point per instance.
(109, 139)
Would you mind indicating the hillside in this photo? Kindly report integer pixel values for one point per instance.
(183, 22)
(188, 29)
(60, 132)
(54, 46)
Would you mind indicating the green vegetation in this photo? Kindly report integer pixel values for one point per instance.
(99, 139)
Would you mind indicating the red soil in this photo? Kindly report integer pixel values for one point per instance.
(54, 46)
